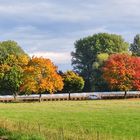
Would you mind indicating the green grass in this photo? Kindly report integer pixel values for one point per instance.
(71, 120)
(5, 134)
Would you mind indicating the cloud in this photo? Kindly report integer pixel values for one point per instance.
(43, 10)
(58, 58)
(73, 11)
(50, 27)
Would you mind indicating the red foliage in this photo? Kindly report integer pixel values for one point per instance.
(122, 72)
(136, 76)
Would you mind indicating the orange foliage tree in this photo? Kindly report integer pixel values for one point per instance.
(40, 75)
(122, 72)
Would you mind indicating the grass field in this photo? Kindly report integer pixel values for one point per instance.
(71, 120)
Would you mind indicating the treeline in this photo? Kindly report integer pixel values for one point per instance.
(20, 74)
(107, 62)
(101, 62)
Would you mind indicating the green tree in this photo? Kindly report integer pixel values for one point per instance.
(12, 60)
(10, 48)
(11, 73)
(100, 84)
(135, 46)
(86, 51)
(72, 82)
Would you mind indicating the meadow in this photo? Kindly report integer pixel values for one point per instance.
(71, 120)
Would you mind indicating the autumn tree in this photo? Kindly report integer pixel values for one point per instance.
(87, 50)
(121, 71)
(136, 76)
(40, 75)
(11, 73)
(12, 60)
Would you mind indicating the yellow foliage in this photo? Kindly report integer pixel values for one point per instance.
(40, 75)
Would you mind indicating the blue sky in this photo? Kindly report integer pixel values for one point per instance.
(49, 28)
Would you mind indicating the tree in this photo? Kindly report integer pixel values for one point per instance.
(100, 84)
(40, 75)
(11, 72)
(87, 50)
(135, 46)
(12, 60)
(72, 82)
(122, 71)
(10, 48)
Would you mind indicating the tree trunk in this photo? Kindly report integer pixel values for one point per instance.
(69, 95)
(125, 94)
(40, 95)
(15, 96)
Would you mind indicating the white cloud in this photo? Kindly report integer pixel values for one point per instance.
(57, 58)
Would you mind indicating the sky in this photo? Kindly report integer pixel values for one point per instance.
(49, 28)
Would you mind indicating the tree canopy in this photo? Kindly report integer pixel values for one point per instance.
(40, 75)
(12, 61)
(10, 47)
(11, 72)
(101, 62)
(72, 82)
(135, 46)
(122, 72)
(136, 76)
(87, 50)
